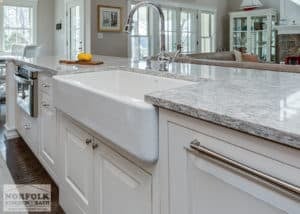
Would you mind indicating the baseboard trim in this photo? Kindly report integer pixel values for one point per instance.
(10, 134)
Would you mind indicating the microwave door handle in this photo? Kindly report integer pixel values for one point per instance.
(23, 80)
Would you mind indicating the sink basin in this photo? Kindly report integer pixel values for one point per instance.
(111, 103)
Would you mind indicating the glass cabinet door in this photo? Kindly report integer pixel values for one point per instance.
(240, 33)
(259, 37)
(274, 40)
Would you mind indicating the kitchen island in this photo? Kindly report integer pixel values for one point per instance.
(249, 117)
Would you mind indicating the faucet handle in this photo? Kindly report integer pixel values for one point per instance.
(128, 28)
(164, 61)
(148, 62)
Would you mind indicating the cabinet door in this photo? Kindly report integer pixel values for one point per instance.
(77, 173)
(48, 145)
(199, 184)
(120, 186)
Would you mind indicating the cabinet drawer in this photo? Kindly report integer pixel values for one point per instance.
(46, 101)
(45, 84)
(279, 161)
(28, 129)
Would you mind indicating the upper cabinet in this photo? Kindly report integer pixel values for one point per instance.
(253, 32)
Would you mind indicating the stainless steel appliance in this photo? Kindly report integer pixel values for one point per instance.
(27, 89)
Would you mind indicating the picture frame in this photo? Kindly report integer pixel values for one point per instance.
(109, 18)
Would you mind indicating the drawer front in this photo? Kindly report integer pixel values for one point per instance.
(28, 129)
(197, 181)
(45, 84)
(46, 101)
(250, 156)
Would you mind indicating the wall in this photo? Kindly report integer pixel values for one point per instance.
(112, 44)
(291, 11)
(59, 36)
(234, 5)
(116, 44)
(45, 26)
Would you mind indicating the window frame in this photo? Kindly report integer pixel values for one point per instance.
(19, 3)
(212, 26)
(154, 34)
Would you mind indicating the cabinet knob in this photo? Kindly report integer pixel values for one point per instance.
(45, 105)
(45, 85)
(95, 146)
(88, 141)
(27, 126)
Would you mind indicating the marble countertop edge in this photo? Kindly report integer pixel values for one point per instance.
(256, 130)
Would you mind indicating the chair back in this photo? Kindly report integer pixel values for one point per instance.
(31, 51)
(17, 50)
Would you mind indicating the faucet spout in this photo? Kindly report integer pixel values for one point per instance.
(129, 26)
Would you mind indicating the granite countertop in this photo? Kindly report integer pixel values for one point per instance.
(262, 103)
(51, 64)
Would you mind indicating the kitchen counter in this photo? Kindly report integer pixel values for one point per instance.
(262, 103)
(51, 64)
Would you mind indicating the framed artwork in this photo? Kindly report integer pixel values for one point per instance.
(109, 19)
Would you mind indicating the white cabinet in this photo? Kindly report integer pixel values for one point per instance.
(121, 187)
(95, 179)
(76, 173)
(47, 119)
(253, 32)
(48, 144)
(201, 183)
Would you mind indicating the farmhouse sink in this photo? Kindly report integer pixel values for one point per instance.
(111, 103)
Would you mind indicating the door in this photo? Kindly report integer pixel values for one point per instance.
(120, 186)
(204, 184)
(76, 160)
(75, 25)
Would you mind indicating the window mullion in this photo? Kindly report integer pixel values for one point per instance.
(1, 27)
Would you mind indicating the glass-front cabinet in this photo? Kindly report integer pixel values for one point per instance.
(253, 32)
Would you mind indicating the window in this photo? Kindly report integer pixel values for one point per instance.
(192, 29)
(171, 24)
(189, 31)
(207, 26)
(140, 37)
(18, 23)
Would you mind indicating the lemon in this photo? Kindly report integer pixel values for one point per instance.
(84, 57)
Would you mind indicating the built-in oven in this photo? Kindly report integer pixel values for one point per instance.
(27, 89)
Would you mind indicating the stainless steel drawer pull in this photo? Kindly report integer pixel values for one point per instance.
(27, 126)
(45, 105)
(45, 85)
(196, 145)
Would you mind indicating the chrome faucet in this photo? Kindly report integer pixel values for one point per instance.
(162, 58)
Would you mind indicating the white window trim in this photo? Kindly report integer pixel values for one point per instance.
(212, 30)
(200, 9)
(20, 3)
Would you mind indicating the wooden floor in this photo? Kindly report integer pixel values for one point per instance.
(24, 166)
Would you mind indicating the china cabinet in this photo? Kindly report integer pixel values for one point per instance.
(253, 32)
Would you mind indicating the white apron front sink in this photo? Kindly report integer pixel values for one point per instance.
(111, 103)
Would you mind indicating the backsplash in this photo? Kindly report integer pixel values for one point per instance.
(289, 45)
